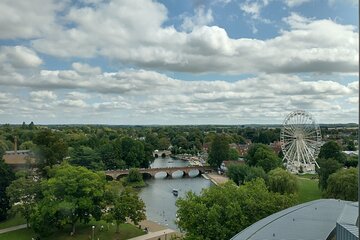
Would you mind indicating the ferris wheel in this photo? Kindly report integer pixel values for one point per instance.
(300, 140)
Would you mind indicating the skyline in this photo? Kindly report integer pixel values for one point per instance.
(222, 62)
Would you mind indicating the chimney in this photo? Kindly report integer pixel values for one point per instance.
(15, 145)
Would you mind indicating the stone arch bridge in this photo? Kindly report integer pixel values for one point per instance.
(161, 153)
(115, 174)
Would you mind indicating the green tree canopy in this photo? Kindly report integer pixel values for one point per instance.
(243, 173)
(343, 184)
(127, 205)
(23, 194)
(233, 154)
(261, 155)
(332, 150)
(221, 212)
(71, 194)
(6, 176)
(51, 149)
(134, 175)
(131, 151)
(327, 167)
(219, 150)
(282, 181)
(86, 157)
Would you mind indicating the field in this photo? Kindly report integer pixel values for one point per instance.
(308, 189)
(83, 232)
(14, 221)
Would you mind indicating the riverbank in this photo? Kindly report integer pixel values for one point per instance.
(215, 178)
(156, 231)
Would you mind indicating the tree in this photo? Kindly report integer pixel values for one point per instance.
(51, 149)
(332, 150)
(23, 194)
(127, 205)
(164, 143)
(233, 154)
(219, 150)
(134, 175)
(327, 167)
(71, 194)
(131, 151)
(282, 181)
(343, 185)
(261, 155)
(221, 212)
(86, 157)
(241, 174)
(6, 176)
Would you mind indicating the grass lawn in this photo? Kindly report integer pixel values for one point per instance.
(308, 190)
(83, 232)
(13, 221)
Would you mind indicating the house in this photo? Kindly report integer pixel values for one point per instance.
(19, 159)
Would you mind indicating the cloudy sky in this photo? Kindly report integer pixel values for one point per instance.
(178, 62)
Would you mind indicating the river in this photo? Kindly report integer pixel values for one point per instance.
(158, 197)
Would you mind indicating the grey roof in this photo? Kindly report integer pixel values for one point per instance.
(308, 221)
(348, 219)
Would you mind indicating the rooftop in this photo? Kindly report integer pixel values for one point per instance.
(308, 221)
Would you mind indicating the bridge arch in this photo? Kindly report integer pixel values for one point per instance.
(177, 174)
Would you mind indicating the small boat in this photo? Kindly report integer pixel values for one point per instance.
(170, 161)
(175, 192)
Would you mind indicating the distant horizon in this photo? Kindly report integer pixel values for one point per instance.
(149, 125)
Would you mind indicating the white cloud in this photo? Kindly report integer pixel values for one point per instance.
(27, 19)
(201, 18)
(19, 57)
(85, 68)
(144, 95)
(77, 95)
(140, 39)
(252, 8)
(295, 3)
(353, 100)
(42, 96)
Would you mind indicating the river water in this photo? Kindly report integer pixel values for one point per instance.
(158, 197)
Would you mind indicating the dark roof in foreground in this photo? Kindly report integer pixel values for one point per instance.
(308, 221)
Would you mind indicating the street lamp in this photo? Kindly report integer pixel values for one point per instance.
(93, 231)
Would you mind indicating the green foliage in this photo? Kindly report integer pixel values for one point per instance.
(219, 150)
(351, 161)
(233, 154)
(241, 174)
(332, 150)
(131, 151)
(6, 176)
(23, 194)
(108, 157)
(86, 157)
(327, 167)
(282, 181)
(164, 143)
(343, 185)
(51, 149)
(134, 175)
(261, 155)
(70, 195)
(221, 212)
(127, 205)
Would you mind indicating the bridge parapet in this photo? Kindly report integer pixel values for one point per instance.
(152, 171)
(161, 153)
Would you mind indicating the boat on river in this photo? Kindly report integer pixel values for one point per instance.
(175, 192)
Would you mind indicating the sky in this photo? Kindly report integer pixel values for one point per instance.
(142, 62)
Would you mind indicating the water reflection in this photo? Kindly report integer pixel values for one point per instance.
(158, 196)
